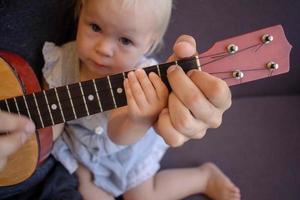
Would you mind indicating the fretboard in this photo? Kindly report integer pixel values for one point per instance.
(73, 101)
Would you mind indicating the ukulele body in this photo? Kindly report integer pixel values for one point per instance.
(17, 78)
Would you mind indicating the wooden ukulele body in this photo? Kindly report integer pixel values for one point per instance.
(17, 78)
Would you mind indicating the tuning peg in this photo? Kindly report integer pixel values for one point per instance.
(272, 65)
(232, 48)
(266, 38)
(238, 74)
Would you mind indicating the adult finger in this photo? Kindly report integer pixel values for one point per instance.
(214, 89)
(166, 130)
(11, 142)
(193, 98)
(185, 46)
(12, 122)
(183, 120)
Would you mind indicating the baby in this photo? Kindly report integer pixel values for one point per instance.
(118, 152)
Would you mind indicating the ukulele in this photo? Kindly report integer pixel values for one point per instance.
(252, 56)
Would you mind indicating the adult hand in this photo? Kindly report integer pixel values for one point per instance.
(197, 101)
(18, 129)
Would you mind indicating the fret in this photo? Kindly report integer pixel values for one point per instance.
(112, 92)
(163, 71)
(12, 106)
(38, 109)
(26, 105)
(32, 108)
(54, 107)
(8, 109)
(82, 93)
(118, 89)
(44, 109)
(21, 106)
(16, 105)
(3, 106)
(188, 64)
(90, 96)
(73, 109)
(158, 70)
(66, 103)
(77, 99)
(48, 106)
(104, 94)
(198, 64)
(97, 94)
(60, 108)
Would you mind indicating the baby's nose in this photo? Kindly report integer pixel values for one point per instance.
(105, 47)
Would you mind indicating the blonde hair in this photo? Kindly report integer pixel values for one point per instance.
(161, 10)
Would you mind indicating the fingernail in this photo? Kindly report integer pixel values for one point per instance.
(172, 68)
(130, 74)
(189, 73)
(30, 127)
(138, 70)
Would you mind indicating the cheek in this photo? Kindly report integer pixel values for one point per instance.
(83, 47)
(128, 61)
(80, 50)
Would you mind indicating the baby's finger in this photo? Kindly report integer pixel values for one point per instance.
(129, 97)
(161, 89)
(146, 85)
(136, 90)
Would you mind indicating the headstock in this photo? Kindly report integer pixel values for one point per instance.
(248, 57)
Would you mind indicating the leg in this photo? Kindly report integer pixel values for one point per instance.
(88, 189)
(180, 183)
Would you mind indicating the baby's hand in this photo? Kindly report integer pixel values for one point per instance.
(146, 96)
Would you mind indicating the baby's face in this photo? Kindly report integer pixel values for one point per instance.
(112, 40)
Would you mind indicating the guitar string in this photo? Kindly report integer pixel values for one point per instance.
(77, 97)
(229, 54)
(45, 108)
(154, 67)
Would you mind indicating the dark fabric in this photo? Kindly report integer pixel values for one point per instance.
(39, 175)
(257, 146)
(25, 26)
(51, 181)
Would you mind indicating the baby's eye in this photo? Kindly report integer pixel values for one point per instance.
(95, 27)
(126, 41)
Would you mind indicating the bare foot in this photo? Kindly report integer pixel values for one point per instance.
(219, 186)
